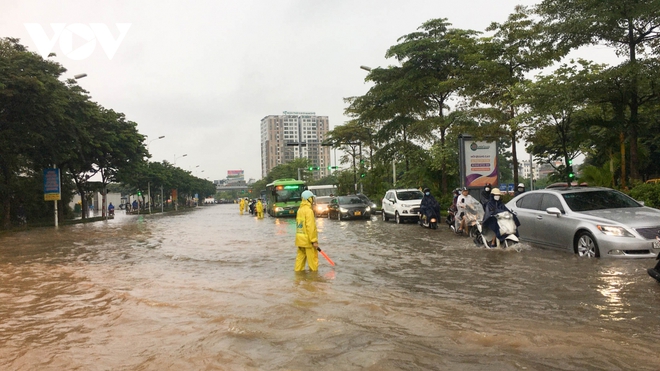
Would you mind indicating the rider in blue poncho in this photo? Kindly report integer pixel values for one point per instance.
(492, 208)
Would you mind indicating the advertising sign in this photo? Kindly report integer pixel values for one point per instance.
(174, 195)
(235, 174)
(478, 162)
(52, 185)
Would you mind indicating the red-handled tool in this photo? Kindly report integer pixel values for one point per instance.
(326, 257)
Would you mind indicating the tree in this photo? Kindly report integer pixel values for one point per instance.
(630, 27)
(557, 113)
(505, 58)
(31, 112)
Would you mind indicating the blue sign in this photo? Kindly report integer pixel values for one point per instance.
(511, 187)
(503, 187)
(52, 185)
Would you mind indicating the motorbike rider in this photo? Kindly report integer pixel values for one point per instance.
(485, 194)
(429, 207)
(520, 189)
(494, 207)
(111, 209)
(462, 203)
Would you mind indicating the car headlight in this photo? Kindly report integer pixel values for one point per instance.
(343, 210)
(368, 208)
(614, 231)
(278, 209)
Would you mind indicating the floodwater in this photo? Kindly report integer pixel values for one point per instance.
(209, 289)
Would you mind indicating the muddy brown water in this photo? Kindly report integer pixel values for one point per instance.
(212, 290)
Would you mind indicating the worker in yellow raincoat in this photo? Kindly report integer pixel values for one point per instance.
(307, 239)
(241, 205)
(259, 209)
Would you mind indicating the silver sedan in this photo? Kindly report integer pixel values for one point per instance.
(590, 221)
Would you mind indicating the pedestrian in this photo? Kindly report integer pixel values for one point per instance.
(135, 205)
(307, 239)
(241, 205)
(260, 209)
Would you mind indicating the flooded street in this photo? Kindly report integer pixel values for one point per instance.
(212, 290)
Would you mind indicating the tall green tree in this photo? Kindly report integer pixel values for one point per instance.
(558, 114)
(630, 27)
(504, 60)
(31, 112)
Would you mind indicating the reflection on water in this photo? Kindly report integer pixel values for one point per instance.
(213, 290)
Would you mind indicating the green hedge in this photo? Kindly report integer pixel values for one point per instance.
(649, 193)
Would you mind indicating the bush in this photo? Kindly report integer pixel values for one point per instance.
(649, 193)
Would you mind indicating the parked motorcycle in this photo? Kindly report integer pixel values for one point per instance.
(508, 230)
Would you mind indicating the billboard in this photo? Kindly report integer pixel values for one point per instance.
(235, 174)
(478, 162)
(52, 185)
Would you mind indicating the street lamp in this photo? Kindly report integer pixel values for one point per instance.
(175, 158)
(79, 76)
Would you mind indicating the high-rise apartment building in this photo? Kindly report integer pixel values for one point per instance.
(294, 135)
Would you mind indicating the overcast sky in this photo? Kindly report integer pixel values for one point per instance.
(204, 73)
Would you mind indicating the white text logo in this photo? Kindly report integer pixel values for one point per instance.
(89, 33)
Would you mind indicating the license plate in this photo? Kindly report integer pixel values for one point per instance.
(290, 211)
(357, 213)
(656, 245)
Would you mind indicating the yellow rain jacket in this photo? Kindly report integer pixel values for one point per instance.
(260, 207)
(306, 233)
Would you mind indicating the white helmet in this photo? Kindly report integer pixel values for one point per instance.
(307, 194)
(521, 185)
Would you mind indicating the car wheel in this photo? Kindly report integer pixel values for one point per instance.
(397, 217)
(384, 217)
(586, 245)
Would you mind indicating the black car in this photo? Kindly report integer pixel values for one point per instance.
(372, 205)
(349, 207)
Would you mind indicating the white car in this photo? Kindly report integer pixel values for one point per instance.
(402, 204)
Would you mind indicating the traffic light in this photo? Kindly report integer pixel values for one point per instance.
(139, 194)
(570, 169)
(363, 175)
(312, 168)
(333, 167)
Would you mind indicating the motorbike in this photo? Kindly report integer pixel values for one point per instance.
(451, 218)
(472, 213)
(655, 271)
(111, 212)
(508, 230)
(430, 222)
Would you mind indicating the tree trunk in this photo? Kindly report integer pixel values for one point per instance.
(6, 200)
(622, 143)
(443, 163)
(514, 157)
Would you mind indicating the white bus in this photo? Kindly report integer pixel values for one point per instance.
(323, 190)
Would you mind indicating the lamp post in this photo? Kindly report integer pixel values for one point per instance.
(149, 182)
(369, 69)
(176, 206)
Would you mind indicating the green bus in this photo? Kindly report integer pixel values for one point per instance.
(283, 197)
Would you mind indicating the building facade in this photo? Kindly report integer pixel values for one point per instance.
(294, 135)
